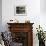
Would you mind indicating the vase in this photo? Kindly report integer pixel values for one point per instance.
(41, 43)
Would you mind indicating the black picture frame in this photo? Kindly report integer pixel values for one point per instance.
(20, 10)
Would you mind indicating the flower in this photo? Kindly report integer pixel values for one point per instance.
(40, 33)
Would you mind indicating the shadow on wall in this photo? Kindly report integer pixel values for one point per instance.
(43, 6)
(0, 15)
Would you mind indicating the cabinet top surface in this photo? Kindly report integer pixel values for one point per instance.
(19, 23)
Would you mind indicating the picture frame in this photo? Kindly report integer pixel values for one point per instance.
(20, 11)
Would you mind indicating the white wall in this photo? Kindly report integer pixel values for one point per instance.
(43, 14)
(0, 15)
(33, 14)
(43, 6)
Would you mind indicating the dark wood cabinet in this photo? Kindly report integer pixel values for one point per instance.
(22, 33)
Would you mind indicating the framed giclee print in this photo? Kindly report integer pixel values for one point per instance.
(20, 10)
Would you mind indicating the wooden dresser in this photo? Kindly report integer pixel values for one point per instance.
(22, 33)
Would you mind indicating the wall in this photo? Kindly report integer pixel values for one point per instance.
(34, 14)
(43, 6)
(43, 14)
(0, 15)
